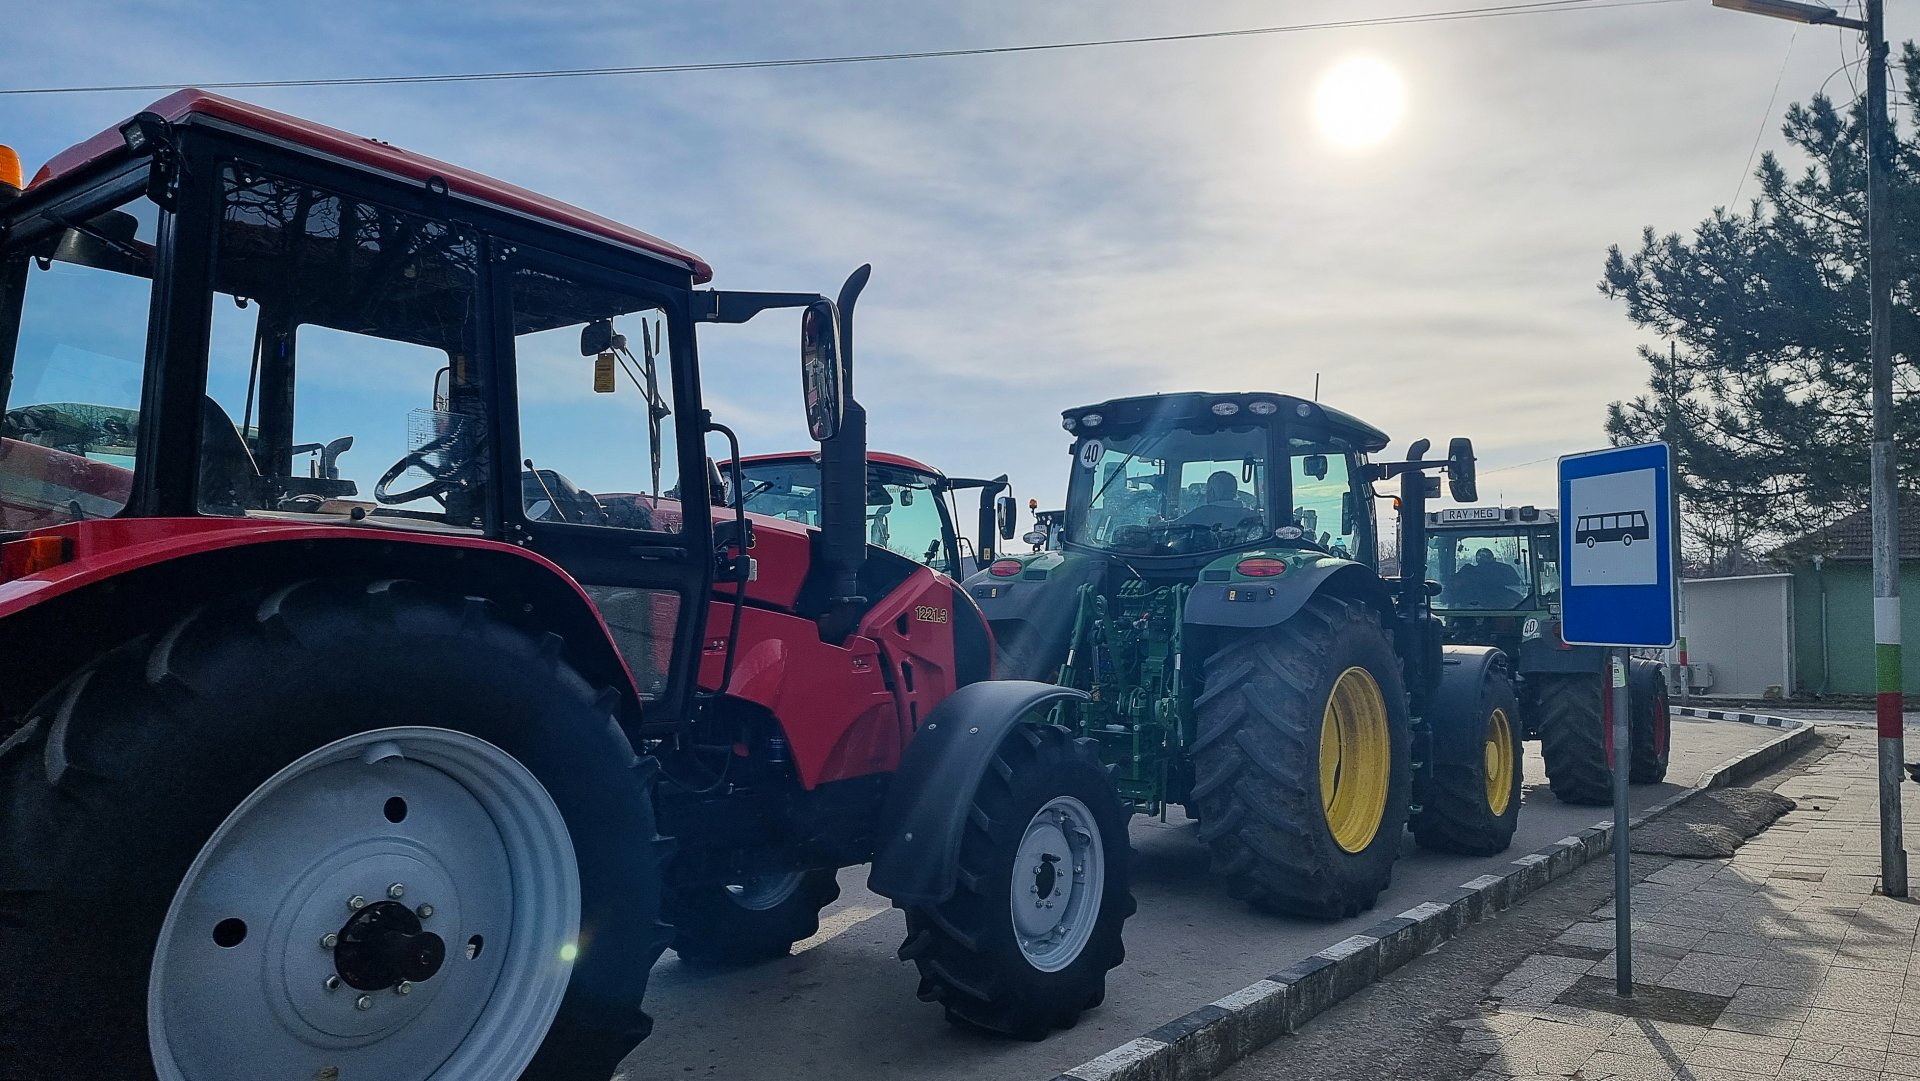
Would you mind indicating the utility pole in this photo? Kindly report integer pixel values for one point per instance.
(1886, 517)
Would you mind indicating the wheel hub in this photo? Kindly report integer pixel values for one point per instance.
(287, 942)
(383, 945)
(1058, 877)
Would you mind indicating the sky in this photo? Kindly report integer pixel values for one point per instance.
(1053, 229)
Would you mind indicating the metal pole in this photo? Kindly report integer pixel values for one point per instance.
(1622, 843)
(1679, 562)
(1886, 552)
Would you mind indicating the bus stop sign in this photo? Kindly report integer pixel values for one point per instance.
(1617, 533)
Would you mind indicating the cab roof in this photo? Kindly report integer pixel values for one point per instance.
(199, 106)
(881, 457)
(1141, 410)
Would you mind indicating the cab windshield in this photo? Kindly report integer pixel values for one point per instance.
(905, 513)
(1170, 491)
(1490, 571)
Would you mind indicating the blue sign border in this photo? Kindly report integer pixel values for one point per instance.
(1639, 615)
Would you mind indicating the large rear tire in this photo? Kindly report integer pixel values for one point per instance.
(210, 838)
(1471, 805)
(1652, 728)
(1573, 738)
(1024, 945)
(1302, 761)
(758, 920)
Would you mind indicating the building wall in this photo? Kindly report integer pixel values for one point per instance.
(1743, 628)
(1849, 589)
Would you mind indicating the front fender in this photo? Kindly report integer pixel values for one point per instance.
(930, 796)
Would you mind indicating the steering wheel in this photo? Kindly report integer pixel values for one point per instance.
(442, 477)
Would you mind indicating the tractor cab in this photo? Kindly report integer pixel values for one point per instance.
(910, 506)
(1490, 559)
(1181, 479)
(225, 326)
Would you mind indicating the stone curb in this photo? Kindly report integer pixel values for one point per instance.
(1206, 1041)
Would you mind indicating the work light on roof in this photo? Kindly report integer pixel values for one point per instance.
(1303, 409)
(1225, 409)
(1263, 409)
(1091, 420)
(1067, 423)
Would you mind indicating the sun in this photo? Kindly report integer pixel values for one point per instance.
(1359, 101)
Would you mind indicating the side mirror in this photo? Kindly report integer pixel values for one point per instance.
(596, 337)
(1003, 512)
(1314, 465)
(821, 374)
(1461, 480)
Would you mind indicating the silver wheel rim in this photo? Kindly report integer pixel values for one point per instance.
(1059, 876)
(766, 891)
(446, 825)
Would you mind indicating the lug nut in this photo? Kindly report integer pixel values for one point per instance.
(356, 902)
(397, 890)
(404, 987)
(425, 912)
(331, 983)
(329, 940)
(364, 1002)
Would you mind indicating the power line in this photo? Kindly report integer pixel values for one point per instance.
(1765, 118)
(1537, 7)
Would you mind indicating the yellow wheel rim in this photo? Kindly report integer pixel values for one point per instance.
(1499, 762)
(1356, 751)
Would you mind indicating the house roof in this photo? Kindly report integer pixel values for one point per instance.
(1851, 536)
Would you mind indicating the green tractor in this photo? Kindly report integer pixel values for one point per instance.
(1498, 573)
(1213, 586)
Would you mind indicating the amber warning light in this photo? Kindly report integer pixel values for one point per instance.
(10, 173)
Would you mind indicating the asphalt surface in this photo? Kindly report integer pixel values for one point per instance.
(842, 1006)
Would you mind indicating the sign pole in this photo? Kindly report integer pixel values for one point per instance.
(1620, 575)
(1622, 842)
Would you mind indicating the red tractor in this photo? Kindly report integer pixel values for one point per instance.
(347, 733)
(912, 508)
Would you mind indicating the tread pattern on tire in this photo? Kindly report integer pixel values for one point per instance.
(1454, 813)
(710, 929)
(89, 861)
(964, 948)
(1256, 763)
(1573, 739)
(1649, 764)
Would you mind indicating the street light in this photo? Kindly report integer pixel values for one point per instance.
(1886, 549)
(1813, 14)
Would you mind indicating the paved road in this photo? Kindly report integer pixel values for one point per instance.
(841, 1006)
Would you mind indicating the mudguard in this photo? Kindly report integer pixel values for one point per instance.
(1643, 677)
(1269, 602)
(1463, 671)
(1541, 655)
(931, 793)
(1043, 592)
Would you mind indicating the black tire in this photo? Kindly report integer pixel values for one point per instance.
(713, 926)
(1256, 762)
(123, 772)
(1573, 738)
(1652, 721)
(1458, 811)
(965, 948)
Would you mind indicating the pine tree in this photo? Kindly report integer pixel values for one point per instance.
(1764, 386)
